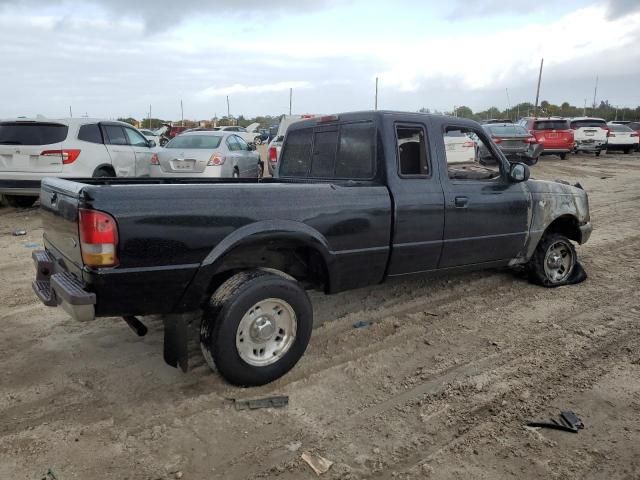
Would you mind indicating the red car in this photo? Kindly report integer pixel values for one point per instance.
(554, 134)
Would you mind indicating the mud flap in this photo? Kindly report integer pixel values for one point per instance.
(176, 340)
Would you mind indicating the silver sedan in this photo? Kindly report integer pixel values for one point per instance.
(207, 154)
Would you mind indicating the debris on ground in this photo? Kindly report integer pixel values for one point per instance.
(276, 401)
(362, 324)
(19, 232)
(567, 422)
(31, 245)
(319, 464)
(50, 475)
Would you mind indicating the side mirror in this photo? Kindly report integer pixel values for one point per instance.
(151, 143)
(519, 172)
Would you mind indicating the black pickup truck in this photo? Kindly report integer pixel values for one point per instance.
(357, 198)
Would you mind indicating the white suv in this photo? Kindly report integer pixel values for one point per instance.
(590, 134)
(31, 149)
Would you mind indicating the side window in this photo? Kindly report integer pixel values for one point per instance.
(469, 156)
(114, 135)
(232, 143)
(325, 144)
(356, 151)
(90, 133)
(412, 150)
(242, 145)
(135, 139)
(296, 155)
(241, 129)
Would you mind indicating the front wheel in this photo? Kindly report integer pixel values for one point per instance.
(256, 327)
(563, 156)
(553, 261)
(257, 140)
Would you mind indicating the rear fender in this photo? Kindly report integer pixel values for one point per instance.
(258, 233)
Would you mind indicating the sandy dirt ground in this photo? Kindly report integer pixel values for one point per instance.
(440, 386)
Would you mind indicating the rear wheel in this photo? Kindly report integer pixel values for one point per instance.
(553, 261)
(627, 150)
(257, 140)
(20, 201)
(563, 156)
(598, 153)
(256, 327)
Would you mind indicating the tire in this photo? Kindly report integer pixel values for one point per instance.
(627, 151)
(20, 201)
(257, 140)
(246, 306)
(531, 161)
(543, 267)
(598, 153)
(103, 172)
(563, 156)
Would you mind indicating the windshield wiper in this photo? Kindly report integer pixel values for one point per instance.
(10, 142)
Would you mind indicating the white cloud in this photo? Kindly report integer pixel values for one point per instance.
(240, 88)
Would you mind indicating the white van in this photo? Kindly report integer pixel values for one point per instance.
(31, 149)
(590, 134)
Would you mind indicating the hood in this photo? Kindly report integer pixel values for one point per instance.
(253, 127)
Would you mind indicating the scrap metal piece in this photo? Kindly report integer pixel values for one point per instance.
(572, 419)
(567, 422)
(553, 425)
(319, 464)
(276, 401)
(136, 325)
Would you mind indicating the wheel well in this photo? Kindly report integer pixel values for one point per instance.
(105, 167)
(566, 225)
(295, 259)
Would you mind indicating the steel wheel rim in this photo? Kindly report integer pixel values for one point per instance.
(266, 332)
(559, 261)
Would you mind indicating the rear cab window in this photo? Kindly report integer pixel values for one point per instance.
(340, 151)
(32, 133)
(588, 123)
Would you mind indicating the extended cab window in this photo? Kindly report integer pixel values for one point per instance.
(412, 151)
(325, 144)
(296, 156)
(356, 151)
(468, 155)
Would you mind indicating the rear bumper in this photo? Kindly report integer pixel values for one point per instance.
(20, 187)
(55, 286)
(595, 146)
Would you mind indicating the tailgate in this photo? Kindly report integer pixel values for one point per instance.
(59, 201)
(23, 143)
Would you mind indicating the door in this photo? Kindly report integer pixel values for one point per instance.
(486, 215)
(123, 158)
(418, 201)
(142, 152)
(235, 154)
(249, 159)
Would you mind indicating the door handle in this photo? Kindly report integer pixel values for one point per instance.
(461, 202)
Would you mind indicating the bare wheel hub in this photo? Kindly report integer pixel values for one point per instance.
(266, 332)
(559, 262)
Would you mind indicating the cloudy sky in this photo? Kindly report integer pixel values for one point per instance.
(109, 58)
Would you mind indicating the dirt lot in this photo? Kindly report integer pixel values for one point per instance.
(439, 387)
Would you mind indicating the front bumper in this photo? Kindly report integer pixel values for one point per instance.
(585, 232)
(55, 286)
(20, 187)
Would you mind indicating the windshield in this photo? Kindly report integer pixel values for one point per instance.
(19, 133)
(506, 130)
(588, 123)
(551, 125)
(195, 141)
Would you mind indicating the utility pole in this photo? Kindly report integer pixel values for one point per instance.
(375, 105)
(149, 115)
(508, 104)
(535, 109)
(595, 93)
(228, 110)
(290, 99)
(181, 114)
(584, 110)
(616, 113)
(70, 112)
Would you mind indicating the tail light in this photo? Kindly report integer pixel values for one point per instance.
(154, 159)
(609, 134)
(98, 238)
(215, 160)
(635, 135)
(531, 139)
(496, 140)
(68, 155)
(273, 155)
